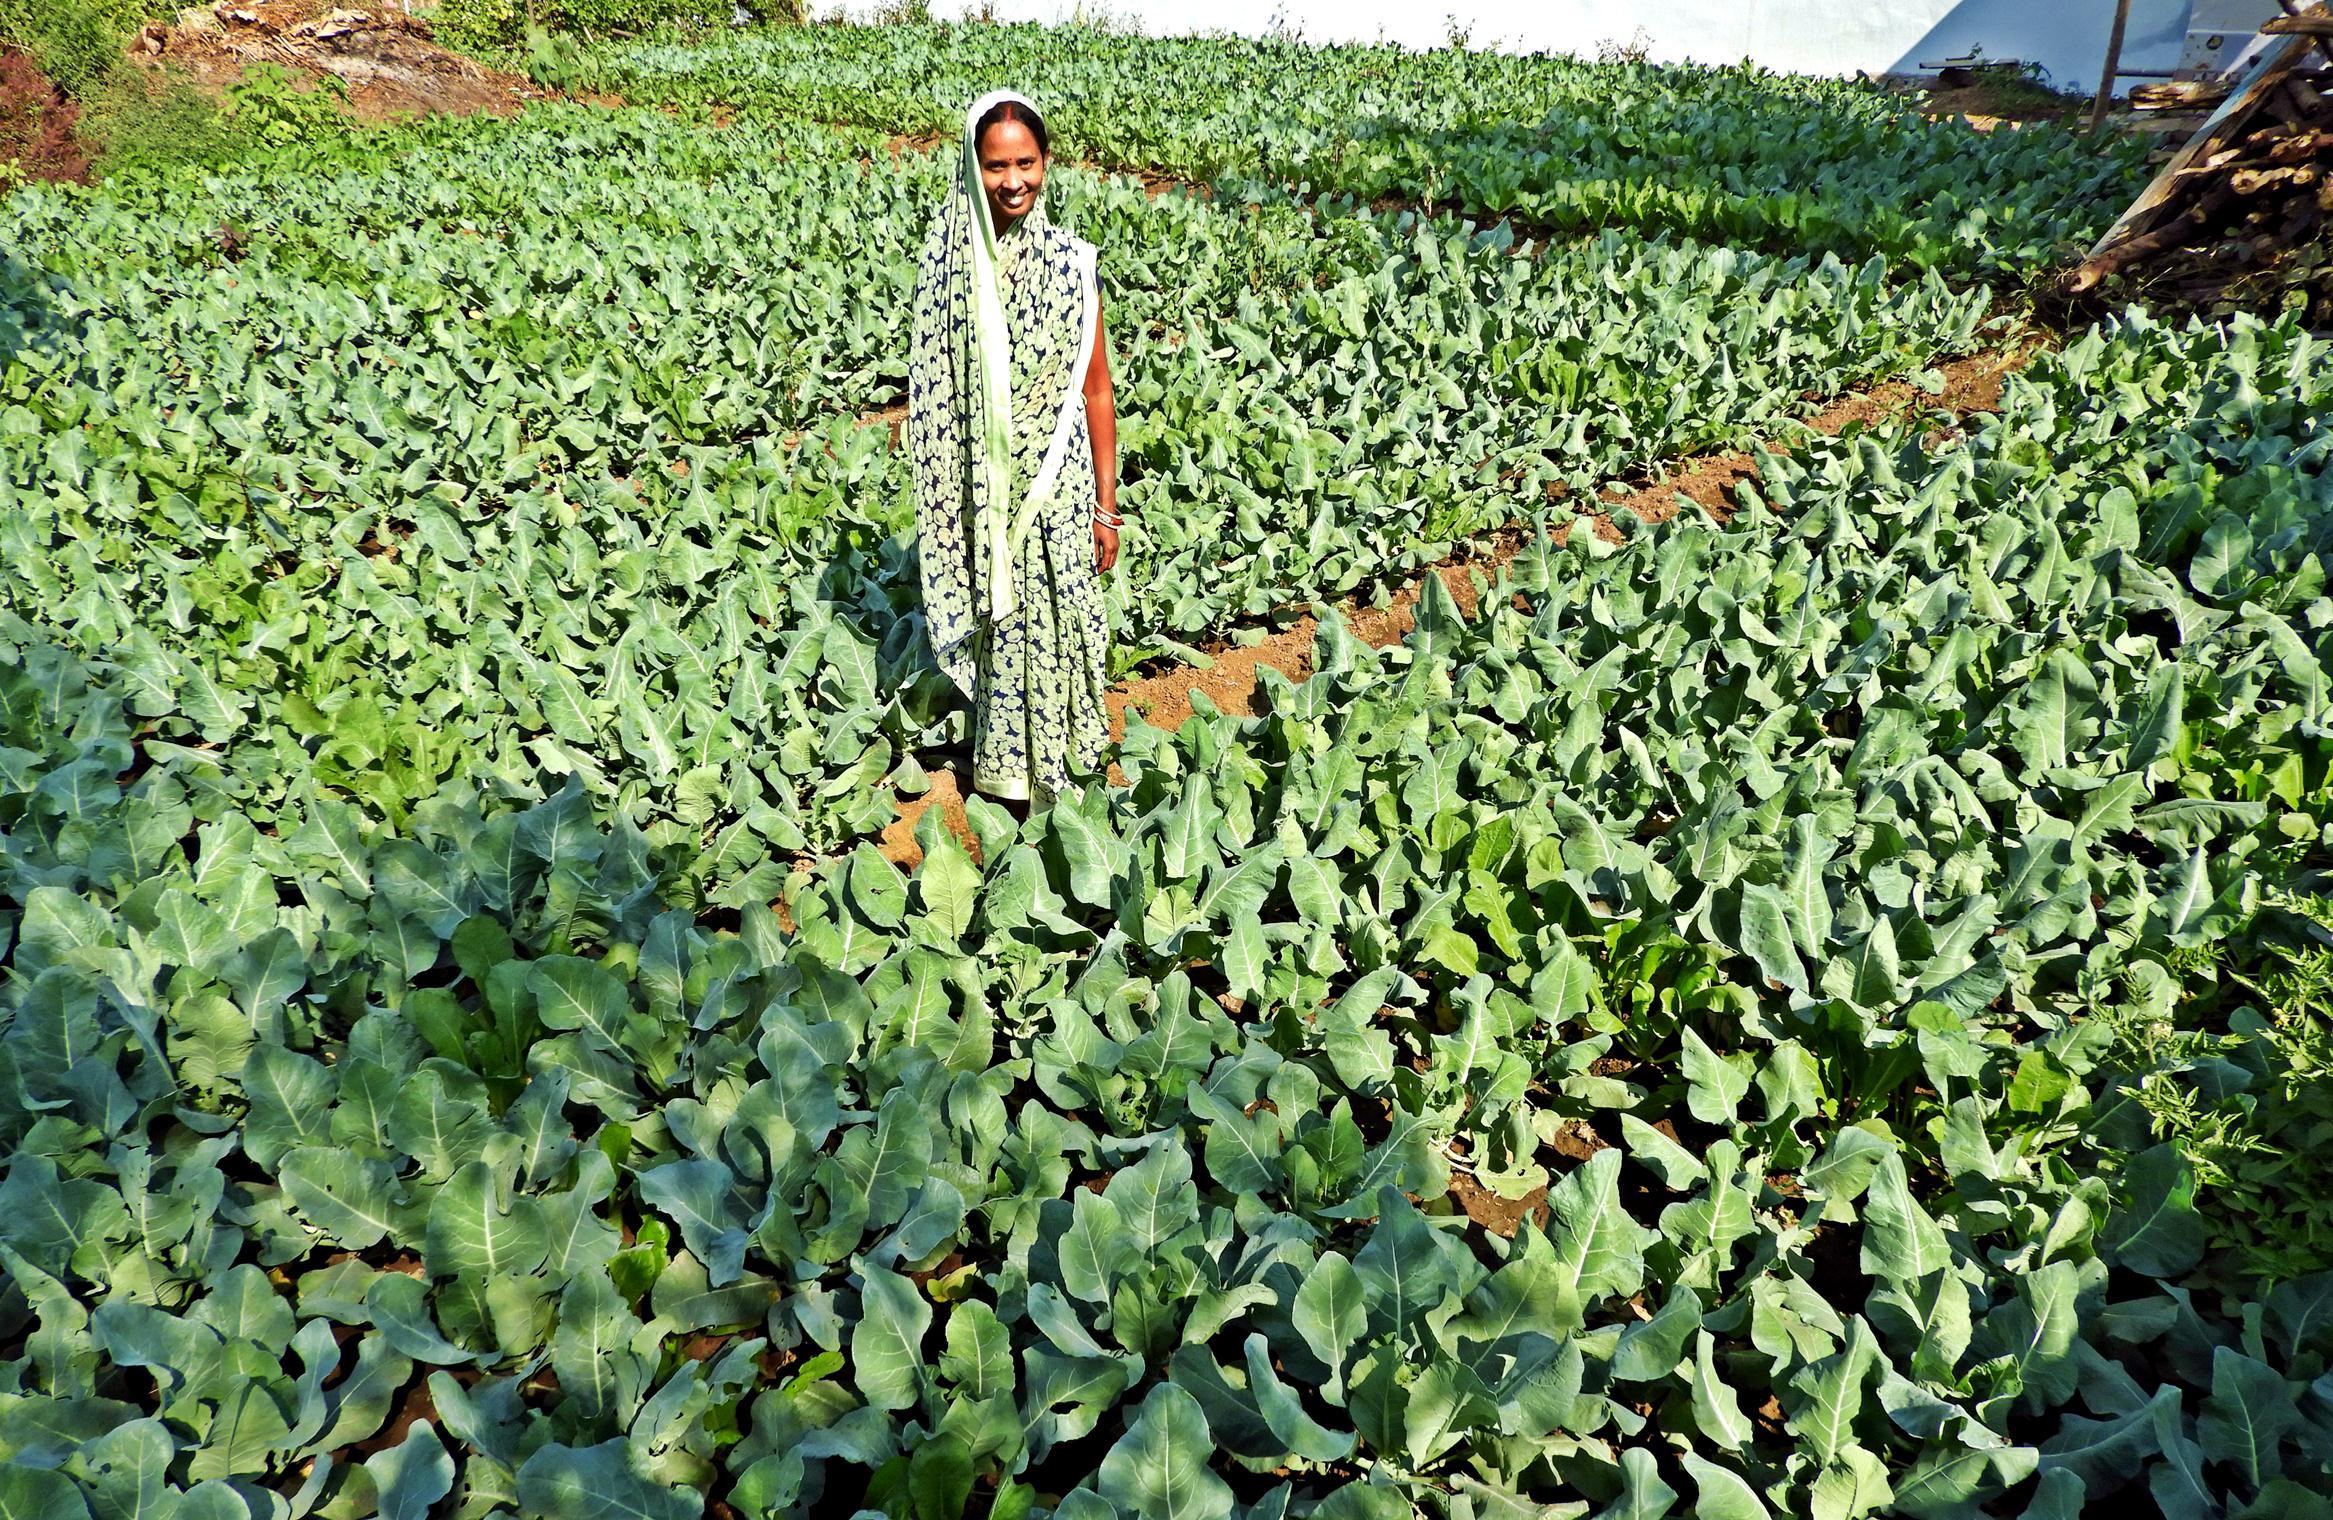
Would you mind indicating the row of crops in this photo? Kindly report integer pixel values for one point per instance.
(1733, 156)
(1696, 1039)
(565, 360)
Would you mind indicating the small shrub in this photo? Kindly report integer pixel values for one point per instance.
(275, 105)
(135, 117)
(40, 137)
(474, 26)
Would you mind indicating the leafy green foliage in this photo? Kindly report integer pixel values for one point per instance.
(1705, 1031)
(137, 117)
(276, 105)
(1725, 155)
(77, 43)
(2231, 1064)
(487, 24)
(983, 1180)
(559, 370)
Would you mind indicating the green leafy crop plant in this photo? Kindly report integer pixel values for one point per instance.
(1768, 894)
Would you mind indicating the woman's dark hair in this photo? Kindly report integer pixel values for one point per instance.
(1013, 110)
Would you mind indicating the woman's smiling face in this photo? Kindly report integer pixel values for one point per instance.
(1012, 171)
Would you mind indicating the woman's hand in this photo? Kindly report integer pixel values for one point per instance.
(1105, 546)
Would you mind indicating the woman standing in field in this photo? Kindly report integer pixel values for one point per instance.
(1014, 435)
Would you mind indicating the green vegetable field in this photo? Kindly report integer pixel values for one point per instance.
(1821, 1009)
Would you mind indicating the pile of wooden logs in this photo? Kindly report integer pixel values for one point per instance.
(2243, 216)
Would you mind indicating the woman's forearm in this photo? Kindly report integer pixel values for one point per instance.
(1101, 410)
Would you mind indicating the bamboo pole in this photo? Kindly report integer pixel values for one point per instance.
(2113, 63)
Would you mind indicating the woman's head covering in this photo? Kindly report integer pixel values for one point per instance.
(993, 343)
(990, 409)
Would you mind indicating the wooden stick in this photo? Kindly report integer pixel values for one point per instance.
(2113, 62)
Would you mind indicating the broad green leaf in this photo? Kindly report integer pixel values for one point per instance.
(478, 1227)
(1284, 1413)
(1155, 1198)
(2155, 1228)
(978, 1359)
(1830, 1395)
(1599, 1250)
(2103, 1452)
(949, 887)
(413, 1476)
(887, 1356)
(594, 1350)
(1722, 1494)
(2034, 1334)
(1716, 1085)
(39, 1493)
(572, 993)
(1767, 940)
(2248, 1413)
(597, 1483)
(1331, 1314)
(348, 1199)
(2155, 731)
(1649, 1350)
(1902, 1242)
(1717, 1411)
(1159, 1470)
(1404, 1268)
(1643, 1496)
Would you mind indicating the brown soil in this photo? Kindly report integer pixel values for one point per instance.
(1990, 107)
(1155, 184)
(416, 1404)
(1164, 700)
(1971, 385)
(1577, 1141)
(897, 841)
(1501, 1216)
(916, 142)
(1383, 627)
(892, 419)
(386, 58)
(37, 124)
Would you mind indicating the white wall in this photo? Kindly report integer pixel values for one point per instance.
(2068, 37)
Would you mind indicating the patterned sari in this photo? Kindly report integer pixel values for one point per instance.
(1004, 484)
